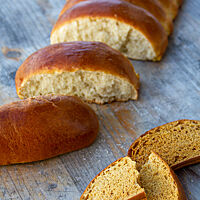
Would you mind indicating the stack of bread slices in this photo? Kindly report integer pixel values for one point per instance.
(147, 171)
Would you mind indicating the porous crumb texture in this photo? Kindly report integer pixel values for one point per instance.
(157, 180)
(175, 142)
(116, 34)
(117, 181)
(91, 86)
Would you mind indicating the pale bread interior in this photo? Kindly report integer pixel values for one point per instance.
(91, 86)
(118, 35)
(157, 180)
(118, 182)
(175, 142)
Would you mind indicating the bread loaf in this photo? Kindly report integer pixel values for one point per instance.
(159, 181)
(43, 127)
(123, 26)
(118, 181)
(152, 6)
(90, 70)
(178, 143)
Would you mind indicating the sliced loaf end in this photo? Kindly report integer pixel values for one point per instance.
(159, 181)
(118, 181)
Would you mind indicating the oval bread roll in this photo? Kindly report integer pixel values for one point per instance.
(39, 128)
(152, 6)
(123, 26)
(91, 70)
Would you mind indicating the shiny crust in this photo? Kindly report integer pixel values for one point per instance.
(121, 11)
(170, 6)
(43, 127)
(74, 56)
(181, 191)
(174, 167)
(152, 6)
(141, 196)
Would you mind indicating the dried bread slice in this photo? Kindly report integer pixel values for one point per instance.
(178, 143)
(119, 181)
(159, 181)
(152, 6)
(90, 70)
(125, 27)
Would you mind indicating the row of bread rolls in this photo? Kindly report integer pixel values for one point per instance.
(44, 126)
(137, 28)
(144, 174)
(92, 71)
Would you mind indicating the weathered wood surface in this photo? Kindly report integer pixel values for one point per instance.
(170, 90)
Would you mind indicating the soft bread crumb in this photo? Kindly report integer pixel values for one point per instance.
(175, 142)
(157, 180)
(91, 86)
(118, 35)
(118, 181)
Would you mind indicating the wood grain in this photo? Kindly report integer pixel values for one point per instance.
(170, 90)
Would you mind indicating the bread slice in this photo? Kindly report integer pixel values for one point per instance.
(90, 70)
(118, 181)
(123, 26)
(152, 6)
(178, 143)
(159, 181)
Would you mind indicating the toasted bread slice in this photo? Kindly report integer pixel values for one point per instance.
(159, 181)
(178, 143)
(118, 181)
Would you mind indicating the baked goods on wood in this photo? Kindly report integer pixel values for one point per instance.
(43, 127)
(159, 181)
(121, 180)
(178, 143)
(123, 26)
(91, 70)
(118, 181)
(152, 6)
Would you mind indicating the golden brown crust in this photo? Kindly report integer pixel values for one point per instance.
(152, 6)
(43, 127)
(121, 11)
(141, 196)
(185, 163)
(181, 191)
(176, 166)
(73, 56)
(170, 6)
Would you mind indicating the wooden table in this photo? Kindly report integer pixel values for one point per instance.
(170, 90)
